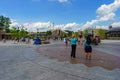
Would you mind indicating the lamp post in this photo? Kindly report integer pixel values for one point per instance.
(18, 34)
(37, 32)
(93, 33)
(53, 25)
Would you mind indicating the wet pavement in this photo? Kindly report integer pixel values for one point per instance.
(21, 61)
(100, 55)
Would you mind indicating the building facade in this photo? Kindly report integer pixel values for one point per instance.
(113, 33)
(58, 32)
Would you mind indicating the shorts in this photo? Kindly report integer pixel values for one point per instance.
(88, 49)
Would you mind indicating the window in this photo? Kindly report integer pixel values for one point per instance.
(111, 35)
(118, 34)
(114, 35)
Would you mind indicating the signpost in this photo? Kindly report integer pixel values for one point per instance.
(89, 31)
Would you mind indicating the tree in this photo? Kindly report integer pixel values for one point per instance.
(88, 31)
(85, 32)
(101, 33)
(77, 34)
(69, 32)
(5, 23)
(22, 33)
(64, 35)
(49, 32)
(18, 33)
(14, 32)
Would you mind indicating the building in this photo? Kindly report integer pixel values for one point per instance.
(4, 35)
(58, 32)
(1, 34)
(113, 33)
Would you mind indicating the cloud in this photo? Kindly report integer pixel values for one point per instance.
(60, 1)
(89, 24)
(106, 9)
(44, 26)
(71, 26)
(107, 12)
(32, 27)
(102, 27)
(36, 0)
(14, 23)
(108, 17)
(41, 26)
(58, 26)
(63, 1)
(116, 24)
(104, 13)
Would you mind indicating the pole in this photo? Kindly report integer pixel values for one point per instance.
(18, 34)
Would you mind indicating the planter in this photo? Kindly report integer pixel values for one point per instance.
(45, 42)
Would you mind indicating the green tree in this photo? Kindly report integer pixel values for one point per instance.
(23, 33)
(69, 33)
(101, 33)
(85, 32)
(49, 32)
(5, 23)
(64, 35)
(77, 34)
(14, 32)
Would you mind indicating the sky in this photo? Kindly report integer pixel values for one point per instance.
(71, 15)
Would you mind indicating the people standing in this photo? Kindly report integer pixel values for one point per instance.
(73, 42)
(88, 47)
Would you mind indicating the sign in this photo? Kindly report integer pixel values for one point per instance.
(89, 31)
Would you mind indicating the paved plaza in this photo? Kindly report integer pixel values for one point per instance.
(22, 61)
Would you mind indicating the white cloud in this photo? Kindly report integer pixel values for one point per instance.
(89, 24)
(104, 13)
(58, 26)
(44, 26)
(63, 1)
(32, 27)
(107, 12)
(101, 27)
(108, 17)
(36, 0)
(14, 23)
(71, 26)
(116, 24)
(60, 1)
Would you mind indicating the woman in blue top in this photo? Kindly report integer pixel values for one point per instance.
(88, 47)
(73, 42)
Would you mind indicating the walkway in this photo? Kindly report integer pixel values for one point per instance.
(22, 62)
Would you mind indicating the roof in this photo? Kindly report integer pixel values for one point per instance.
(114, 29)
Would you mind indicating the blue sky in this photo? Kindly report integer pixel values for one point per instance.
(65, 14)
